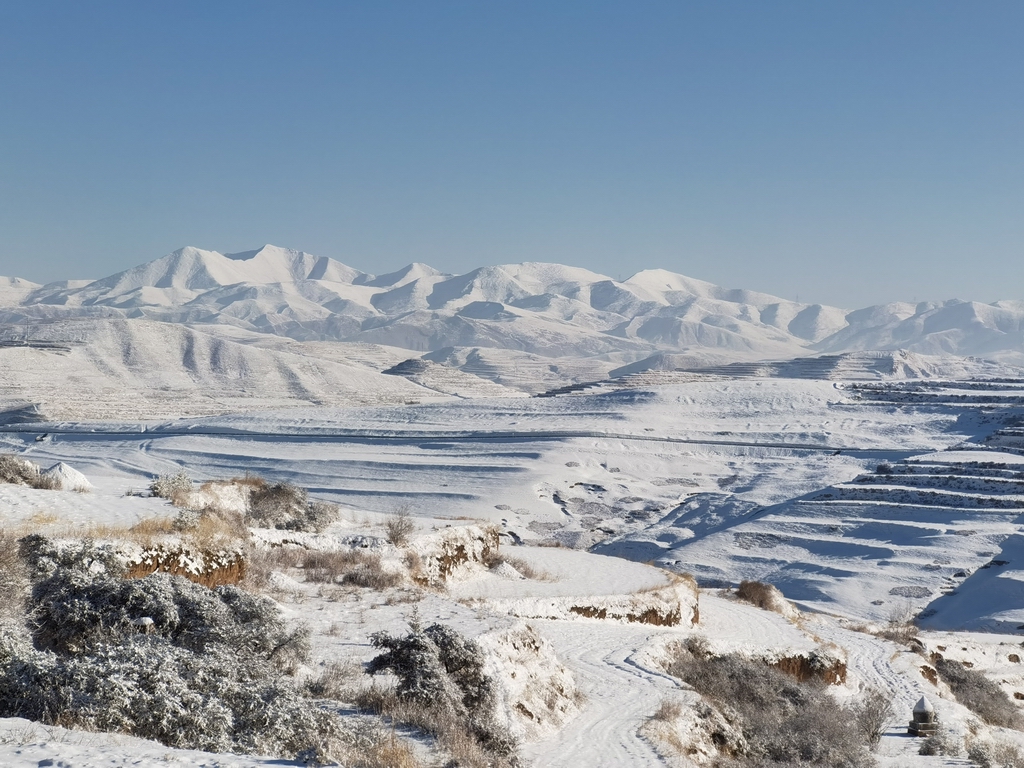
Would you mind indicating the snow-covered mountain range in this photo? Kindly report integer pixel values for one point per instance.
(546, 310)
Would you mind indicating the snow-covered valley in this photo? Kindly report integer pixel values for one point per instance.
(583, 495)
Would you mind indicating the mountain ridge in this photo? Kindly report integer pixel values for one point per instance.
(540, 308)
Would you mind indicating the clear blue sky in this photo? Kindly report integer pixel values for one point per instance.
(843, 152)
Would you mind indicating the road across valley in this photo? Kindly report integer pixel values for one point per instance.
(434, 436)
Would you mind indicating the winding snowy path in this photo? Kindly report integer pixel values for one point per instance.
(620, 693)
(623, 689)
(870, 659)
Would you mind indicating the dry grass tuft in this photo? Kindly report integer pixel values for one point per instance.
(449, 731)
(145, 532)
(352, 566)
(18, 471)
(339, 681)
(668, 711)
(388, 752)
(13, 577)
(210, 528)
(250, 481)
(399, 526)
(262, 563)
(900, 627)
(527, 571)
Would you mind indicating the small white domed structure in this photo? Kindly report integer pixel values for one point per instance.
(68, 478)
(925, 722)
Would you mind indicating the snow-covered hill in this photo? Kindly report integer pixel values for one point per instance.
(103, 368)
(548, 310)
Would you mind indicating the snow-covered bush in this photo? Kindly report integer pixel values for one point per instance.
(782, 721)
(319, 515)
(441, 687)
(941, 743)
(75, 612)
(45, 557)
(148, 687)
(18, 471)
(160, 657)
(172, 487)
(995, 754)
(287, 507)
(873, 711)
(398, 527)
(979, 694)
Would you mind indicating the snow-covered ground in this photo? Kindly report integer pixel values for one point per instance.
(854, 499)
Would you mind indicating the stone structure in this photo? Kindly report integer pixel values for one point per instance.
(925, 722)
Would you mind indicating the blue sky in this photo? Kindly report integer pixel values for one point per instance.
(840, 152)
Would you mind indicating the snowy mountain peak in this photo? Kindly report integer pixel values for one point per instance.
(547, 309)
(403, 276)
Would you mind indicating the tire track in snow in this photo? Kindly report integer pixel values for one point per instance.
(405, 436)
(732, 625)
(622, 691)
(621, 695)
(870, 658)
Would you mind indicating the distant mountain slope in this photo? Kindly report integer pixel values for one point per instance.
(549, 310)
(118, 368)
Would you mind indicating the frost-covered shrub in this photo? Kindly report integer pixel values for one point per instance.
(995, 754)
(148, 687)
(900, 627)
(277, 505)
(159, 657)
(440, 673)
(13, 578)
(172, 487)
(18, 471)
(287, 507)
(873, 712)
(186, 520)
(941, 743)
(398, 527)
(319, 515)
(782, 721)
(979, 694)
(44, 557)
(75, 612)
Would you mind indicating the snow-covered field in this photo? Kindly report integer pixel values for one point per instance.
(856, 499)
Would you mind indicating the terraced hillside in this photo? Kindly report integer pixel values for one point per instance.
(904, 534)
